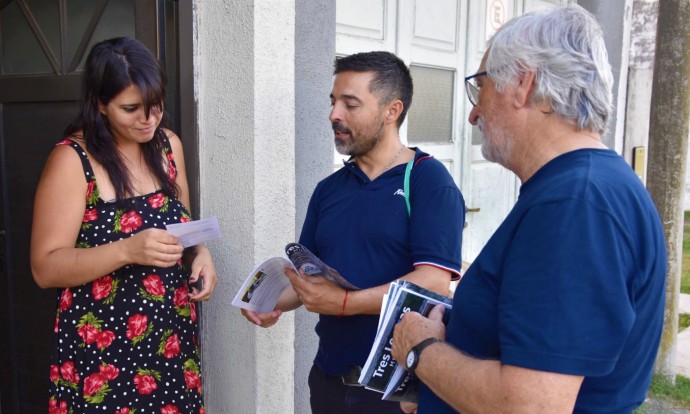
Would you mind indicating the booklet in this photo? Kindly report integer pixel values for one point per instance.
(267, 281)
(381, 372)
(194, 232)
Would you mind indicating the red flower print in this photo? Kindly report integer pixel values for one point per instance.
(172, 346)
(172, 172)
(89, 190)
(170, 156)
(157, 200)
(108, 371)
(65, 299)
(154, 285)
(93, 383)
(202, 410)
(54, 373)
(170, 409)
(57, 322)
(192, 379)
(123, 411)
(185, 219)
(130, 221)
(136, 325)
(88, 333)
(57, 407)
(90, 215)
(104, 339)
(65, 141)
(181, 296)
(69, 372)
(101, 287)
(146, 384)
(192, 311)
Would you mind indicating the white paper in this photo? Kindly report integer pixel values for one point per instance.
(194, 232)
(262, 288)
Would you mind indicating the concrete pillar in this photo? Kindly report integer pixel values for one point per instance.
(263, 73)
(245, 83)
(314, 52)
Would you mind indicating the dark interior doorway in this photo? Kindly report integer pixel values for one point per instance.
(43, 45)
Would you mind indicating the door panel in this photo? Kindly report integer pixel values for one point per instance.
(429, 39)
(364, 25)
(490, 190)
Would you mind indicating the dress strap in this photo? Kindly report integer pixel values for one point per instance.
(86, 165)
(167, 148)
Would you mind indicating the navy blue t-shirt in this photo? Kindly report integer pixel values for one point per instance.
(362, 229)
(573, 282)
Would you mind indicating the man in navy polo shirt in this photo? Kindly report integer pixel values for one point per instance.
(562, 310)
(358, 223)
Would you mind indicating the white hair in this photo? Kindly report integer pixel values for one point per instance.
(565, 47)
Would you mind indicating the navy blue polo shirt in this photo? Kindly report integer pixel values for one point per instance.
(573, 282)
(362, 229)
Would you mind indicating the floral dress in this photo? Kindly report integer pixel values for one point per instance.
(126, 342)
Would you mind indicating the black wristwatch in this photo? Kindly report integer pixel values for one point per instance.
(413, 356)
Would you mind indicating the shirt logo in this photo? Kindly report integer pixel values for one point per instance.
(399, 192)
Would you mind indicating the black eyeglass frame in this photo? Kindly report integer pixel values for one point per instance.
(471, 88)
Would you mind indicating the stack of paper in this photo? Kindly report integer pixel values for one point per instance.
(381, 372)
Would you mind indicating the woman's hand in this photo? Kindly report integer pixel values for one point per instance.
(203, 268)
(153, 247)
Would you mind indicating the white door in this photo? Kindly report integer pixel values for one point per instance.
(442, 41)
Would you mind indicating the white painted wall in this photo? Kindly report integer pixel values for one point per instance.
(615, 17)
(262, 79)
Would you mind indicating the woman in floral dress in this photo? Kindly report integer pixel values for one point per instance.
(126, 323)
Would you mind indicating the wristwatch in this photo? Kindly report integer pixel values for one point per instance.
(413, 356)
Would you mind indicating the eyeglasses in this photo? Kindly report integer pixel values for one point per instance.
(472, 89)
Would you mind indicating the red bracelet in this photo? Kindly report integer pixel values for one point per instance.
(342, 312)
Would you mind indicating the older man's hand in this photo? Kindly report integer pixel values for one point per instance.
(413, 328)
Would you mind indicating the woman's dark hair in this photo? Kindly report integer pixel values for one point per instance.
(112, 66)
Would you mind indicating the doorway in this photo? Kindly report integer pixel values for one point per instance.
(442, 41)
(43, 46)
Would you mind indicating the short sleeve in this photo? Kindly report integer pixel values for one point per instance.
(437, 217)
(564, 305)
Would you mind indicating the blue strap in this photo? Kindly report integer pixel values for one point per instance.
(406, 185)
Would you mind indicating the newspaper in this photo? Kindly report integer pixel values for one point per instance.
(194, 232)
(267, 281)
(381, 372)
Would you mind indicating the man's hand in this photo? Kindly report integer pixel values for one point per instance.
(263, 320)
(408, 407)
(413, 328)
(318, 294)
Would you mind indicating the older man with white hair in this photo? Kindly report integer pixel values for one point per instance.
(562, 310)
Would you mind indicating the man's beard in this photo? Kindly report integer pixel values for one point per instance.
(496, 144)
(359, 143)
